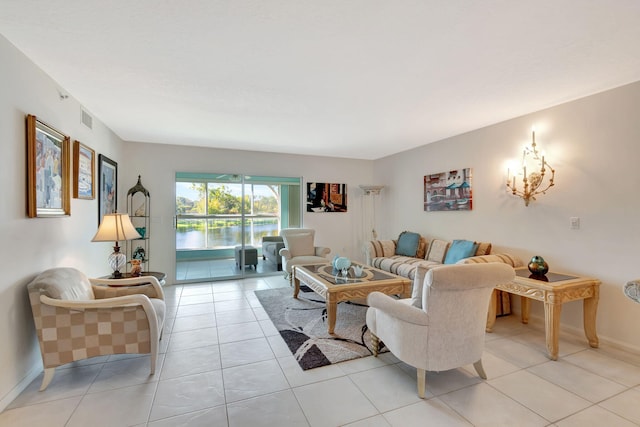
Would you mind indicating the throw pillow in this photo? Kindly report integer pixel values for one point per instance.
(418, 285)
(422, 248)
(408, 244)
(484, 248)
(300, 244)
(437, 250)
(460, 249)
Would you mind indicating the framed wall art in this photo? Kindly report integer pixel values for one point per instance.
(84, 171)
(107, 186)
(448, 191)
(326, 197)
(48, 193)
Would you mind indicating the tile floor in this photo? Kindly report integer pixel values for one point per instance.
(202, 270)
(224, 364)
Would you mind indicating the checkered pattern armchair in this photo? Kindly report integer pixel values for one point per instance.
(77, 318)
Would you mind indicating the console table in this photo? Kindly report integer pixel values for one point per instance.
(553, 289)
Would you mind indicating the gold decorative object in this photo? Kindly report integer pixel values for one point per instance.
(136, 268)
(532, 184)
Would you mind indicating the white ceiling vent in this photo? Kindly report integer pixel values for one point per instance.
(86, 118)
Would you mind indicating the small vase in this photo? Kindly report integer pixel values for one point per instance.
(538, 266)
(357, 270)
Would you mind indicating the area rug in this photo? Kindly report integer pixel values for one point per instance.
(302, 323)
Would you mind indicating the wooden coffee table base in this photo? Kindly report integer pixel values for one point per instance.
(375, 280)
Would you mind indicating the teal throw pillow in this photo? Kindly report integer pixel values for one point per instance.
(408, 244)
(460, 249)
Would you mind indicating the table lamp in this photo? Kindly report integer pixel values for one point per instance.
(113, 228)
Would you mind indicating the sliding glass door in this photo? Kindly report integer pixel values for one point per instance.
(222, 218)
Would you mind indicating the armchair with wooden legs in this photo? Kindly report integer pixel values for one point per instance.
(442, 326)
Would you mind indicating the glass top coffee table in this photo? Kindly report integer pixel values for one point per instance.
(334, 288)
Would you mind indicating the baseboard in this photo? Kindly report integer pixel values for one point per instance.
(538, 323)
(20, 387)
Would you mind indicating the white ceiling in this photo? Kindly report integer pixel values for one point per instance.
(347, 78)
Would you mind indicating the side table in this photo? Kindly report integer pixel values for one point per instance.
(158, 275)
(553, 289)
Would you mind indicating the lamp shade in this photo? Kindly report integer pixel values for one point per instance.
(116, 227)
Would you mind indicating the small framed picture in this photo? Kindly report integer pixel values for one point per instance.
(84, 171)
(48, 193)
(107, 186)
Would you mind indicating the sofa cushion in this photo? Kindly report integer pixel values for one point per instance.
(408, 244)
(437, 250)
(402, 265)
(382, 248)
(460, 249)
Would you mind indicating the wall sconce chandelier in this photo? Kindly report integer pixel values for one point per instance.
(532, 184)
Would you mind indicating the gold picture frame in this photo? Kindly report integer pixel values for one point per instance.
(48, 193)
(84, 171)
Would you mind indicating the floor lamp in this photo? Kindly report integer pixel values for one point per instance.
(371, 192)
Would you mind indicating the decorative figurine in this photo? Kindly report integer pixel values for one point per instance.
(136, 268)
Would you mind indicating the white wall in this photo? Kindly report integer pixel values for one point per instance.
(30, 245)
(593, 145)
(158, 164)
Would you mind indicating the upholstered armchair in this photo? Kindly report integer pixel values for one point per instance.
(442, 326)
(77, 318)
(271, 246)
(299, 249)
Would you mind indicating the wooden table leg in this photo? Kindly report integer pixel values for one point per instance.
(551, 327)
(491, 315)
(296, 283)
(525, 307)
(332, 309)
(589, 309)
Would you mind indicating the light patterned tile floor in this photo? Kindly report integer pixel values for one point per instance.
(223, 364)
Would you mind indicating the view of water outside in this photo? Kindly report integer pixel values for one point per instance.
(224, 234)
(222, 226)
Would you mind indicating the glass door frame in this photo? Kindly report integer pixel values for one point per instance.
(247, 214)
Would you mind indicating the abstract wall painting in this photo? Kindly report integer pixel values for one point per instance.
(326, 197)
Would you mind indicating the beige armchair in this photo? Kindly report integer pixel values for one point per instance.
(442, 326)
(299, 249)
(77, 318)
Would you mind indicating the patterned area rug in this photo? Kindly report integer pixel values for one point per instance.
(302, 323)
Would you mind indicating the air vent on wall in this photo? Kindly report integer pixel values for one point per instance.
(86, 118)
